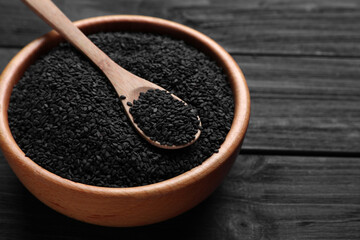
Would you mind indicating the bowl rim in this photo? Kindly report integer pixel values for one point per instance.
(233, 139)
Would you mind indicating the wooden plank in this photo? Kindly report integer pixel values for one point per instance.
(264, 197)
(303, 104)
(298, 104)
(6, 54)
(305, 27)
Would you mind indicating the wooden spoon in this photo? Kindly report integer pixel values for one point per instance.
(124, 82)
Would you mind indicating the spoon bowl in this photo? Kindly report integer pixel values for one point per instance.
(134, 95)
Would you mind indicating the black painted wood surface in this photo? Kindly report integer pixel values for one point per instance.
(264, 197)
(298, 176)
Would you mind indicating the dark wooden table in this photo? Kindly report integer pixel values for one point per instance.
(298, 175)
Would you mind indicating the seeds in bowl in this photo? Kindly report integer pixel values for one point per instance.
(65, 115)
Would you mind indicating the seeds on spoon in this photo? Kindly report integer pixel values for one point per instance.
(165, 119)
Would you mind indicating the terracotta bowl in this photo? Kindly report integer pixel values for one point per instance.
(126, 206)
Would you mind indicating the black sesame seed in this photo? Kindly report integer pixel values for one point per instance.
(73, 124)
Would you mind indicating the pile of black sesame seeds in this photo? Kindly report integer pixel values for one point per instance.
(65, 115)
(165, 119)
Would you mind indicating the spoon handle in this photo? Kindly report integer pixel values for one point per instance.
(51, 14)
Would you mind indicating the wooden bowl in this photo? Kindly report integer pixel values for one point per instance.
(133, 206)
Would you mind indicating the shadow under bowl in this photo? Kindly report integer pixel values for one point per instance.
(133, 206)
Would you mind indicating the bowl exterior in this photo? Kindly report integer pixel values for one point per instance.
(118, 211)
(125, 206)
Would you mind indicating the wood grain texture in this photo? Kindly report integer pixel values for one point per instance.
(6, 54)
(303, 104)
(298, 103)
(264, 197)
(304, 27)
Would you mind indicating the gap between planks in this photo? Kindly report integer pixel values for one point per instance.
(237, 53)
(302, 153)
